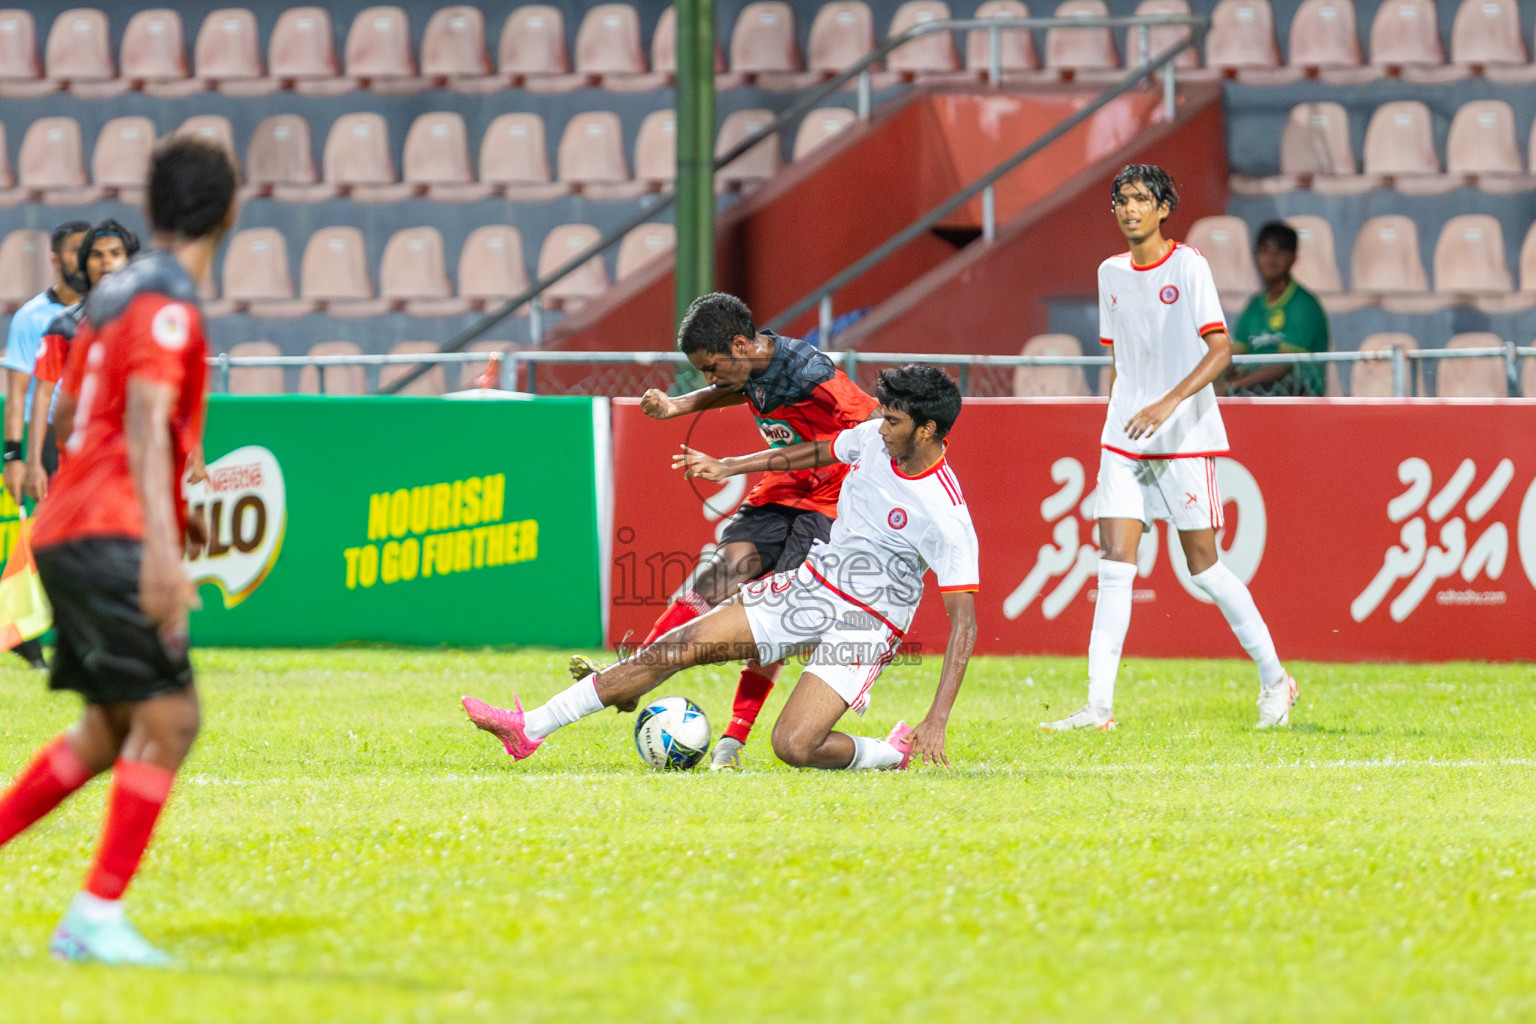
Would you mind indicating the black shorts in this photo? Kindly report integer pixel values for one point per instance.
(783, 535)
(107, 649)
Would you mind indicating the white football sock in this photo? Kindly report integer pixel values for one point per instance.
(1111, 618)
(1236, 603)
(575, 702)
(872, 753)
(95, 909)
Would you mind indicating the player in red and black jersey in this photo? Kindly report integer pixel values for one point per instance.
(796, 395)
(109, 541)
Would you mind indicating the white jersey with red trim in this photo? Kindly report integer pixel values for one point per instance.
(890, 528)
(1156, 318)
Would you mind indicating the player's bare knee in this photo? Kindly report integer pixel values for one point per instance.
(794, 744)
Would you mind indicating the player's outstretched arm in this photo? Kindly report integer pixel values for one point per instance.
(659, 405)
(808, 455)
(928, 738)
(1218, 356)
(164, 591)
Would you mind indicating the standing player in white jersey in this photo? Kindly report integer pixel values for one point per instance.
(1159, 311)
(900, 512)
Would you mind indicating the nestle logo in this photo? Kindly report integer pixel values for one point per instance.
(235, 478)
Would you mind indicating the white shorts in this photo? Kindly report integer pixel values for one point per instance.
(1181, 491)
(790, 612)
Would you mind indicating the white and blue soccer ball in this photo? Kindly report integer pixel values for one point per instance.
(672, 733)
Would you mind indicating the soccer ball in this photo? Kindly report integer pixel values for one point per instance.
(672, 733)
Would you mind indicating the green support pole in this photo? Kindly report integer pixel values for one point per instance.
(695, 253)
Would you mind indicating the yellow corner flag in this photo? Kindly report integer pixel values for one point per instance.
(24, 609)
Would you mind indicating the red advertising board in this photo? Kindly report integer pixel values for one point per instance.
(1368, 530)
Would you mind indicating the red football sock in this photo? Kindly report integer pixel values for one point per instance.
(751, 694)
(685, 609)
(54, 774)
(139, 792)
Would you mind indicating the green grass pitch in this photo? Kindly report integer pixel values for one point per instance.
(345, 846)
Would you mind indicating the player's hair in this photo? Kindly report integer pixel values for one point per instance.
(1150, 177)
(926, 393)
(1278, 233)
(63, 231)
(108, 228)
(191, 186)
(712, 321)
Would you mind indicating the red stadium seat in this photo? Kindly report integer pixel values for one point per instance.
(591, 157)
(664, 59)
(256, 277)
(1487, 32)
(1159, 39)
(515, 158)
(1082, 52)
(930, 54)
(819, 126)
(51, 164)
(492, 269)
(357, 160)
(1474, 376)
(587, 281)
(433, 382)
(533, 54)
(1242, 40)
(1405, 37)
(21, 73)
(763, 45)
(1400, 149)
(757, 164)
(608, 49)
(1470, 258)
(1324, 36)
(656, 149)
(335, 272)
(642, 245)
(1315, 151)
(154, 55)
(1385, 259)
(453, 50)
(1015, 46)
(1482, 149)
(413, 277)
(227, 54)
(302, 52)
(437, 159)
(336, 380)
(842, 33)
(25, 267)
(1374, 379)
(378, 51)
(1317, 263)
(78, 54)
(279, 162)
(211, 128)
(1050, 381)
(120, 162)
(1223, 241)
(10, 195)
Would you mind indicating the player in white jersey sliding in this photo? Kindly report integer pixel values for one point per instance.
(1159, 311)
(900, 512)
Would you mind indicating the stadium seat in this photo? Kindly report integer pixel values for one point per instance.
(515, 159)
(842, 33)
(1324, 37)
(120, 162)
(10, 195)
(255, 380)
(664, 57)
(335, 272)
(1082, 52)
(1374, 379)
(1242, 43)
(1317, 264)
(532, 53)
(1405, 39)
(453, 50)
(587, 281)
(1470, 259)
(1315, 151)
(437, 159)
(608, 49)
(51, 163)
(78, 55)
(1400, 149)
(154, 55)
(227, 54)
(591, 158)
(1050, 381)
(656, 149)
(413, 277)
(1482, 150)
(357, 160)
(302, 53)
(642, 245)
(1159, 39)
(378, 52)
(1473, 376)
(433, 382)
(931, 54)
(491, 267)
(336, 380)
(757, 164)
(1015, 47)
(763, 45)
(819, 126)
(1385, 258)
(25, 267)
(279, 162)
(21, 73)
(213, 128)
(1223, 241)
(1486, 33)
(256, 277)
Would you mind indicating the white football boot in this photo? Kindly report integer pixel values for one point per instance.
(1275, 704)
(1088, 717)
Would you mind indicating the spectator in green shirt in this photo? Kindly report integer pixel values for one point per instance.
(1284, 317)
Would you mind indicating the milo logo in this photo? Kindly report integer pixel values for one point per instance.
(777, 433)
(245, 507)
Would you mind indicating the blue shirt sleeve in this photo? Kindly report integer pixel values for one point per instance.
(26, 336)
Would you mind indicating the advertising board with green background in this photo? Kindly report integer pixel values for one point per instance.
(409, 520)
